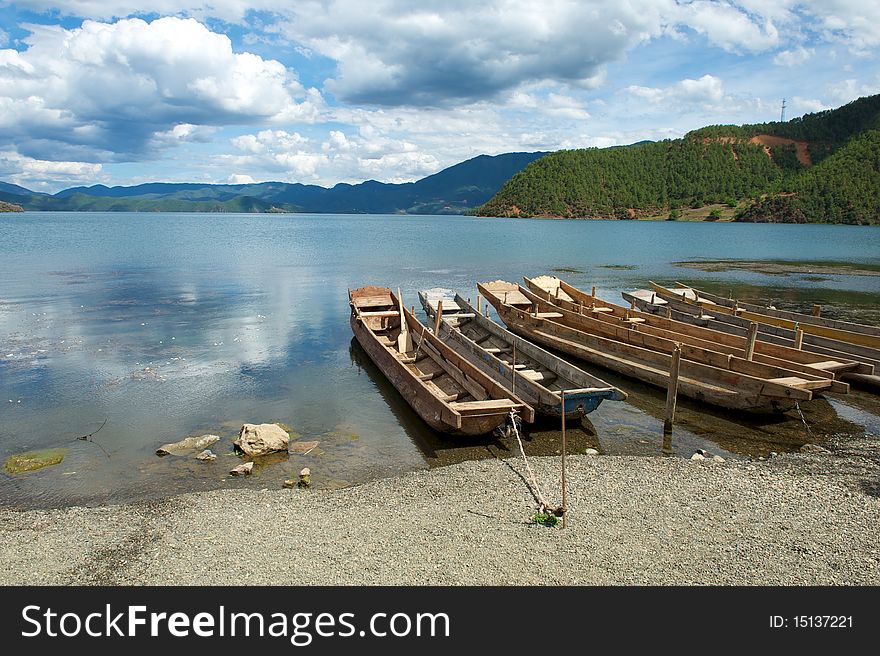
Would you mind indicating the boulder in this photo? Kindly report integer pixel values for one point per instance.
(813, 448)
(260, 439)
(188, 445)
(718, 459)
(591, 452)
(244, 468)
(207, 455)
(305, 478)
(698, 456)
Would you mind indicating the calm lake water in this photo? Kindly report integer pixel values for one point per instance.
(169, 325)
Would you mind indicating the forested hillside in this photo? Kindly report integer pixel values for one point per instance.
(822, 167)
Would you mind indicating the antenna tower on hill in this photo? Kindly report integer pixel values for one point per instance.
(782, 115)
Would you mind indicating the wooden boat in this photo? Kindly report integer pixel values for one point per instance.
(660, 300)
(448, 392)
(723, 380)
(436, 297)
(787, 316)
(535, 375)
(559, 292)
(862, 336)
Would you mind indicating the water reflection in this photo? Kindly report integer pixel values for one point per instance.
(176, 325)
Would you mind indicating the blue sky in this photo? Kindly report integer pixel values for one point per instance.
(321, 92)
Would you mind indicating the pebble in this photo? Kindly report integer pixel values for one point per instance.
(794, 520)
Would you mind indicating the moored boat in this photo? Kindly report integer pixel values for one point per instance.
(447, 391)
(722, 380)
(800, 318)
(560, 293)
(705, 312)
(443, 298)
(856, 334)
(537, 376)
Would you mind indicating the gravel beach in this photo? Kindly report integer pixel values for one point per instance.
(800, 519)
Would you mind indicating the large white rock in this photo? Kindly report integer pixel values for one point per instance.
(188, 444)
(260, 439)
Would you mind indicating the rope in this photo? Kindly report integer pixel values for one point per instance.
(532, 478)
(421, 339)
(803, 419)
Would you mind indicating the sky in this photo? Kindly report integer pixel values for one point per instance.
(120, 92)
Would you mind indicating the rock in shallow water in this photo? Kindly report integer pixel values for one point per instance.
(187, 445)
(206, 455)
(242, 469)
(260, 439)
(303, 447)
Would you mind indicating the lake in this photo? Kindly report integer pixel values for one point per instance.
(169, 325)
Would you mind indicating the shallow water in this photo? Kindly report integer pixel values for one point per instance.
(168, 325)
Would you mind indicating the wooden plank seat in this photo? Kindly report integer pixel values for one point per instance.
(471, 407)
(383, 313)
(548, 315)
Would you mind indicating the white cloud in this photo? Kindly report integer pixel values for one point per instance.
(728, 26)
(228, 10)
(111, 90)
(398, 53)
(706, 92)
(239, 179)
(794, 57)
(854, 23)
(850, 89)
(4, 38)
(36, 174)
(801, 106)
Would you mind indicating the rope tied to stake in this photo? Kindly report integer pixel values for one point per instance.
(533, 480)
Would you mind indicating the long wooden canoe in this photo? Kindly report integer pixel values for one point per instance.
(444, 298)
(662, 301)
(534, 374)
(561, 293)
(694, 297)
(723, 380)
(449, 393)
(797, 317)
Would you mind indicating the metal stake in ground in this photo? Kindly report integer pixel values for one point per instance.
(672, 390)
(564, 449)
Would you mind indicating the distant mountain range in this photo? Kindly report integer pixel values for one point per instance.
(455, 190)
(822, 167)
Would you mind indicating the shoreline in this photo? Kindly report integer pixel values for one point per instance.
(797, 519)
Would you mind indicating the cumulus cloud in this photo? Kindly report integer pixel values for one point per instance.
(110, 91)
(854, 23)
(367, 153)
(794, 57)
(706, 92)
(228, 10)
(36, 173)
(400, 53)
(848, 90)
(728, 26)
